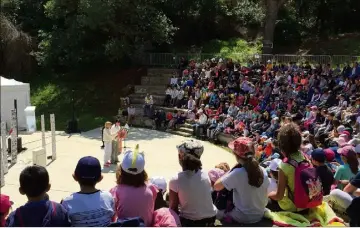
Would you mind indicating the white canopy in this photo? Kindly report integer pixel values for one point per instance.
(11, 90)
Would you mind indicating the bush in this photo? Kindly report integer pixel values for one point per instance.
(237, 49)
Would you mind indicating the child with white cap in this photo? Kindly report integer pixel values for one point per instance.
(161, 185)
(134, 197)
(274, 170)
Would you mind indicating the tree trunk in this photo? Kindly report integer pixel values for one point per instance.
(272, 9)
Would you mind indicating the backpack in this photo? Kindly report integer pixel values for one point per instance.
(307, 185)
(128, 222)
(47, 219)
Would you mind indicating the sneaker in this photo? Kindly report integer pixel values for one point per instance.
(106, 165)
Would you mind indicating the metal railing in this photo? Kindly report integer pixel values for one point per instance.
(171, 59)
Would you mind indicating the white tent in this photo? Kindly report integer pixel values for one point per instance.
(11, 90)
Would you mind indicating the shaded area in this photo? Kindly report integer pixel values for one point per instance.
(134, 134)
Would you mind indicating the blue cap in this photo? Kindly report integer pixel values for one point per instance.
(318, 155)
(88, 168)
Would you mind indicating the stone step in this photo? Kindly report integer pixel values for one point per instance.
(159, 71)
(185, 130)
(184, 134)
(139, 98)
(157, 89)
(187, 125)
(161, 80)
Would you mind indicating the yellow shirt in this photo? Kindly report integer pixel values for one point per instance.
(287, 204)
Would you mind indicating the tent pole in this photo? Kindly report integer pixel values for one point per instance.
(17, 126)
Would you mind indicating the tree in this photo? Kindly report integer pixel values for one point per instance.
(16, 60)
(272, 9)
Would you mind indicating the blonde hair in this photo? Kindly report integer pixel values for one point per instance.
(107, 123)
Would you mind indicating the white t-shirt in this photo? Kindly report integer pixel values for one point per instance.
(194, 191)
(249, 201)
(95, 209)
(272, 186)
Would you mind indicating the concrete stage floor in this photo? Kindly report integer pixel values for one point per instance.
(160, 154)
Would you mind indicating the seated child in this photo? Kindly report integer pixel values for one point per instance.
(5, 205)
(318, 159)
(134, 197)
(161, 185)
(89, 206)
(37, 212)
(274, 170)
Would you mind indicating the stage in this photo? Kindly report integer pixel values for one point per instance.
(159, 148)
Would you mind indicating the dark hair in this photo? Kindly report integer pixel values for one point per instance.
(34, 180)
(353, 163)
(289, 138)
(254, 172)
(159, 201)
(190, 162)
(87, 182)
(275, 174)
(125, 178)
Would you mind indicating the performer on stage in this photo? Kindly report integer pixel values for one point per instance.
(115, 143)
(121, 136)
(108, 137)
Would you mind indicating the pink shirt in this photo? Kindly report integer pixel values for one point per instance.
(133, 202)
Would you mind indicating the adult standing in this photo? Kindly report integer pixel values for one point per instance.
(115, 128)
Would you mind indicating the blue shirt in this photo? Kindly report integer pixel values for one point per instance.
(39, 214)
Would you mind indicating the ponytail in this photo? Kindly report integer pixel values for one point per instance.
(353, 164)
(254, 172)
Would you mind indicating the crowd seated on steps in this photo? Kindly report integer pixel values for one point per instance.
(260, 185)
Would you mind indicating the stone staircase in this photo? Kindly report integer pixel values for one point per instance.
(155, 83)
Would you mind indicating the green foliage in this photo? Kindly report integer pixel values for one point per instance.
(237, 49)
(88, 31)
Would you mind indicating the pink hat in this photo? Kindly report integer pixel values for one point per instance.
(313, 107)
(346, 133)
(5, 204)
(346, 151)
(215, 174)
(241, 146)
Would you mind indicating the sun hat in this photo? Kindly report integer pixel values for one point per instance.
(274, 164)
(215, 174)
(159, 182)
(330, 154)
(346, 150)
(318, 155)
(241, 146)
(88, 168)
(191, 146)
(133, 161)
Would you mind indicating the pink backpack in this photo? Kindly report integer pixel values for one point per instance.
(307, 185)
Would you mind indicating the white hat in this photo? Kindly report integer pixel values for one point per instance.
(159, 182)
(357, 149)
(133, 161)
(354, 141)
(274, 164)
(340, 129)
(191, 146)
(269, 61)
